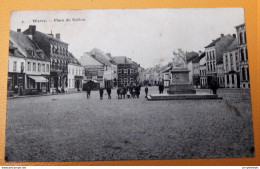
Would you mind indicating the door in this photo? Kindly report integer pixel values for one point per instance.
(38, 87)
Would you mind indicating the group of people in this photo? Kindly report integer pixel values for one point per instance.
(122, 92)
(130, 92)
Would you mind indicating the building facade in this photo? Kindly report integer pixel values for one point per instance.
(127, 71)
(203, 76)
(76, 73)
(242, 49)
(57, 51)
(214, 53)
(220, 74)
(16, 70)
(231, 63)
(35, 67)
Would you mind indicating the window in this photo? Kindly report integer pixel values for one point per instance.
(131, 71)
(76, 71)
(125, 71)
(14, 66)
(119, 71)
(247, 72)
(73, 71)
(29, 66)
(233, 79)
(47, 68)
(227, 79)
(39, 67)
(34, 66)
(243, 74)
(241, 38)
(242, 55)
(22, 67)
(43, 67)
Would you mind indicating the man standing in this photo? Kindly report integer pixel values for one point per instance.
(88, 90)
(109, 92)
(161, 88)
(146, 91)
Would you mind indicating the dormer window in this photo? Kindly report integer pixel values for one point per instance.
(31, 52)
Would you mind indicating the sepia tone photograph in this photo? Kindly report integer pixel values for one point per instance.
(128, 84)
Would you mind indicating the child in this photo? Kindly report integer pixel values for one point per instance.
(128, 94)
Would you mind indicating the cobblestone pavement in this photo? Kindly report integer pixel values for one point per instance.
(74, 128)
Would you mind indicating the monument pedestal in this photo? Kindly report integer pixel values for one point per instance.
(180, 82)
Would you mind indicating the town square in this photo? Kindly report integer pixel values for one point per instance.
(128, 85)
(71, 127)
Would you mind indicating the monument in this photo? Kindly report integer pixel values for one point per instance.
(180, 75)
(180, 88)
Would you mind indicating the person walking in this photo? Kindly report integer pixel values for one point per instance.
(118, 93)
(124, 91)
(101, 91)
(88, 91)
(138, 88)
(109, 92)
(146, 91)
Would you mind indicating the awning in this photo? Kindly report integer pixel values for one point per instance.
(39, 79)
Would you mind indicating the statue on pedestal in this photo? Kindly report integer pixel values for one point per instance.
(179, 60)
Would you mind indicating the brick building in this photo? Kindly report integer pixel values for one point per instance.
(127, 71)
(57, 51)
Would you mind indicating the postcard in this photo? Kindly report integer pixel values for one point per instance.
(128, 84)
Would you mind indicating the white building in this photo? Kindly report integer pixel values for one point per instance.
(35, 64)
(75, 77)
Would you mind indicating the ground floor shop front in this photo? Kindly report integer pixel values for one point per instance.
(24, 84)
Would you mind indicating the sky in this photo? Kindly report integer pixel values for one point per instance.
(147, 36)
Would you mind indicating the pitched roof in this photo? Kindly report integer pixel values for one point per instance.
(100, 56)
(87, 60)
(223, 43)
(13, 51)
(197, 59)
(213, 42)
(73, 60)
(44, 35)
(26, 46)
(190, 56)
(122, 60)
(233, 46)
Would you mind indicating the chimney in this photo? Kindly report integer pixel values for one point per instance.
(50, 34)
(58, 36)
(19, 30)
(234, 35)
(222, 35)
(200, 53)
(32, 29)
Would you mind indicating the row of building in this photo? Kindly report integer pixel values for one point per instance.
(41, 63)
(224, 62)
